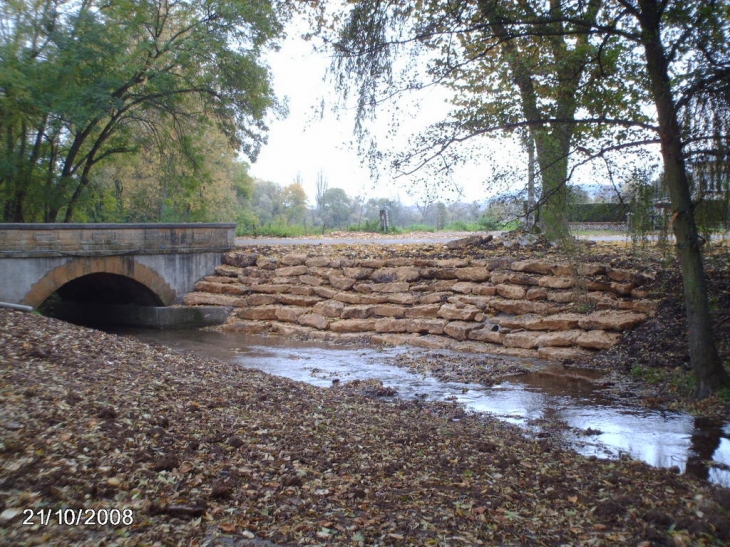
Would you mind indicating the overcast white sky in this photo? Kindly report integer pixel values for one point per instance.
(306, 143)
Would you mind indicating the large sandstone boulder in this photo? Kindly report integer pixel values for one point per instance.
(461, 329)
(240, 260)
(356, 312)
(314, 320)
(464, 287)
(533, 266)
(353, 325)
(615, 320)
(429, 342)
(325, 292)
(260, 313)
(537, 294)
(317, 262)
(302, 290)
(207, 299)
(271, 289)
(520, 307)
(393, 339)
(390, 287)
(358, 273)
(289, 330)
(221, 288)
(267, 263)
(311, 280)
(262, 299)
(298, 300)
(454, 313)
(289, 271)
(403, 298)
(565, 338)
(426, 326)
(526, 340)
(426, 310)
(389, 324)
(486, 334)
(484, 290)
(389, 310)
(648, 307)
(341, 282)
(477, 274)
(294, 259)
(558, 321)
(513, 292)
(329, 308)
(225, 270)
(598, 339)
(290, 314)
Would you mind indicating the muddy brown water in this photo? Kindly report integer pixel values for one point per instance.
(592, 422)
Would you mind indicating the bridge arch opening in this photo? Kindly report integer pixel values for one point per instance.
(107, 288)
(104, 280)
(99, 299)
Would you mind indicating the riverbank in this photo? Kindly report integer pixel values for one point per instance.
(192, 449)
(652, 357)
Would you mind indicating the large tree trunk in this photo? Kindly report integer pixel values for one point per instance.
(708, 369)
(552, 157)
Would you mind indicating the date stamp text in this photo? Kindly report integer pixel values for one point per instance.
(78, 517)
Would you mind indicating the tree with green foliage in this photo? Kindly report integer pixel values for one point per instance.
(511, 65)
(81, 82)
(294, 203)
(685, 48)
(335, 208)
(159, 184)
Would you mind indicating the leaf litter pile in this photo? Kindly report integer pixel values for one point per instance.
(206, 453)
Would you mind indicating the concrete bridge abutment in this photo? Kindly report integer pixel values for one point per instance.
(148, 264)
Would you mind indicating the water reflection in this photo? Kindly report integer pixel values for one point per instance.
(597, 424)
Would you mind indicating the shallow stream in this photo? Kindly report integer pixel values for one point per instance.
(595, 422)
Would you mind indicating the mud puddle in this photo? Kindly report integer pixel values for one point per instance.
(570, 406)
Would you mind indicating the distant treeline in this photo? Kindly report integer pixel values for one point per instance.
(708, 213)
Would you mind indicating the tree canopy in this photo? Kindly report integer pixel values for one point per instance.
(81, 82)
(514, 67)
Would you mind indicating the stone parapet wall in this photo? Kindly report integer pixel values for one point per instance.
(74, 240)
(525, 308)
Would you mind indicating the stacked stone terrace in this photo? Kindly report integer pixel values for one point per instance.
(524, 308)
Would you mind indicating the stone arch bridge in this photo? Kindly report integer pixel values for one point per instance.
(108, 268)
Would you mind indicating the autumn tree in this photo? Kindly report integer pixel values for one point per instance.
(685, 49)
(294, 203)
(203, 181)
(511, 65)
(81, 81)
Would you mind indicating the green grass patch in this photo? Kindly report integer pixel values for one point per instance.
(369, 226)
(418, 228)
(461, 226)
(275, 230)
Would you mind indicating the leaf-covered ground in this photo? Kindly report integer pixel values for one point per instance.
(205, 453)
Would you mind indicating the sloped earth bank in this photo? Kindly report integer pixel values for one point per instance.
(197, 452)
